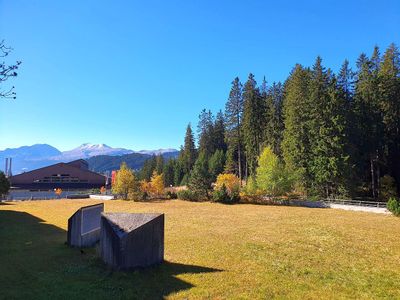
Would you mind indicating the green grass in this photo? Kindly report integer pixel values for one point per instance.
(212, 251)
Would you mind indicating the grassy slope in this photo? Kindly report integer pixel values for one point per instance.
(211, 251)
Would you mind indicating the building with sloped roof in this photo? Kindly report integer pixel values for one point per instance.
(72, 175)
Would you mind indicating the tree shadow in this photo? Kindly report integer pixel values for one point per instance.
(36, 263)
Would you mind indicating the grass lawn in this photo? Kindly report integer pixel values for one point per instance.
(211, 250)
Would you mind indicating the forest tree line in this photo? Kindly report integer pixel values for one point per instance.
(335, 134)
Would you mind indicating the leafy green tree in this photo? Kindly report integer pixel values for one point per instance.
(200, 179)
(233, 128)
(216, 164)
(4, 184)
(253, 122)
(272, 177)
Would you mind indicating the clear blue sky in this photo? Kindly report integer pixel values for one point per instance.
(134, 73)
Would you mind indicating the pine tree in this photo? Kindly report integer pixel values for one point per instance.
(269, 115)
(169, 172)
(159, 164)
(189, 151)
(296, 146)
(389, 103)
(216, 164)
(205, 131)
(148, 168)
(253, 122)
(318, 129)
(233, 130)
(368, 120)
(200, 179)
(273, 127)
(218, 134)
(179, 171)
(331, 160)
(276, 92)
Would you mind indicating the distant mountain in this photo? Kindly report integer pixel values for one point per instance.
(88, 150)
(27, 158)
(135, 161)
(156, 152)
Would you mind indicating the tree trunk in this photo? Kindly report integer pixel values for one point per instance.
(240, 164)
(378, 174)
(372, 176)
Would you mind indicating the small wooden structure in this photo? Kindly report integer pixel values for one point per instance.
(84, 226)
(132, 240)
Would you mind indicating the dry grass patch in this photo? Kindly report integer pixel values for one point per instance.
(212, 251)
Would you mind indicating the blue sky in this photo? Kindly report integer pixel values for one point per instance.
(133, 73)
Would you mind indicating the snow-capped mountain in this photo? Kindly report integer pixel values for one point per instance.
(88, 150)
(156, 152)
(27, 158)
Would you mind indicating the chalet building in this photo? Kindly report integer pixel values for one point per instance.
(72, 175)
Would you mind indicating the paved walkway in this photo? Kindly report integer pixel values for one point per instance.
(377, 210)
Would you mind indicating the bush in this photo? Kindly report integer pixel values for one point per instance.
(188, 195)
(230, 181)
(227, 188)
(4, 184)
(171, 195)
(387, 188)
(394, 206)
(250, 189)
(221, 194)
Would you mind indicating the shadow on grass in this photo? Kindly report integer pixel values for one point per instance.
(36, 263)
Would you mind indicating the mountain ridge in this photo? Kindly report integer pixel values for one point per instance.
(27, 158)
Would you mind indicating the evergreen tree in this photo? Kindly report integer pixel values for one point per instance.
(189, 151)
(216, 164)
(169, 172)
(273, 127)
(253, 122)
(178, 171)
(218, 134)
(389, 104)
(276, 92)
(205, 131)
(148, 168)
(233, 129)
(331, 161)
(200, 179)
(369, 135)
(296, 146)
(159, 164)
